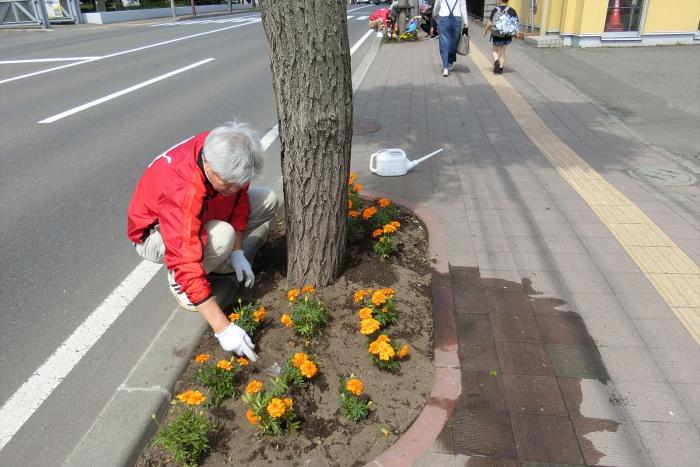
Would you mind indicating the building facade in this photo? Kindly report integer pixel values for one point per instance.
(601, 23)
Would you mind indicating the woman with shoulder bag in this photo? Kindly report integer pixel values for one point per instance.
(452, 24)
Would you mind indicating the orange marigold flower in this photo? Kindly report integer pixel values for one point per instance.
(375, 345)
(242, 361)
(288, 402)
(383, 338)
(367, 213)
(384, 202)
(259, 314)
(396, 224)
(202, 358)
(308, 369)
(365, 313)
(389, 292)
(388, 229)
(386, 351)
(379, 298)
(349, 204)
(377, 233)
(253, 387)
(355, 386)
(252, 418)
(353, 214)
(404, 351)
(299, 358)
(234, 316)
(359, 295)
(276, 408)
(381, 239)
(292, 295)
(352, 178)
(357, 187)
(224, 365)
(287, 320)
(191, 397)
(369, 326)
(308, 289)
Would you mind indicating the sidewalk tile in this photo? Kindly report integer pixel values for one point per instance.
(595, 305)
(671, 444)
(614, 262)
(538, 395)
(436, 459)
(503, 281)
(689, 394)
(524, 358)
(495, 260)
(543, 282)
(553, 305)
(655, 402)
(474, 327)
(679, 365)
(614, 332)
(629, 282)
(575, 262)
(631, 364)
(576, 361)
(591, 282)
(592, 398)
(546, 439)
(605, 442)
(487, 434)
(563, 330)
(665, 334)
(644, 306)
(478, 356)
(515, 326)
(507, 302)
(482, 391)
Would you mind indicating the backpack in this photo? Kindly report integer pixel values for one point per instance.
(504, 24)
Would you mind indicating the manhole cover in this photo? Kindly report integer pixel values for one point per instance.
(364, 127)
(663, 176)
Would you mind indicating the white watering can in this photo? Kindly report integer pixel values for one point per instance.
(393, 162)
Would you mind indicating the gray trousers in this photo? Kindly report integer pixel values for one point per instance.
(220, 234)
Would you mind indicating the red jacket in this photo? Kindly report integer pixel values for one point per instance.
(174, 193)
(383, 13)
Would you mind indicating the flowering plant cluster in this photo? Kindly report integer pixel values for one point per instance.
(355, 204)
(354, 405)
(220, 377)
(248, 317)
(308, 314)
(386, 354)
(186, 438)
(272, 410)
(378, 309)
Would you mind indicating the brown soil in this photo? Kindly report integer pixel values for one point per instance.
(327, 438)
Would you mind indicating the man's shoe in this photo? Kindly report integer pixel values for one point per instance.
(181, 297)
(445, 72)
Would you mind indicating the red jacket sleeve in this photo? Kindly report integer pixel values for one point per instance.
(241, 211)
(180, 223)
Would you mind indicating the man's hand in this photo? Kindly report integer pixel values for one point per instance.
(235, 339)
(242, 266)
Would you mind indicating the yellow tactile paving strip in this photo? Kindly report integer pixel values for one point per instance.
(668, 268)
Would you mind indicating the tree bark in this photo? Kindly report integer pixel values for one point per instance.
(312, 80)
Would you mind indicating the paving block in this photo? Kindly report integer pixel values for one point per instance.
(546, 439)
(538, 395)
(598, 305)
(671, 444)
(515, 326)
(665, 334)
(576, 361)
(678, 365)
(487, 434)
(615, 332)
(631, 364)
(563, 330)
(689, 394)
(604, 442)
(482, 391)
(524, 358)
(656, 402)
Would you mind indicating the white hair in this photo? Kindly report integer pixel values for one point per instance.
(234, 153)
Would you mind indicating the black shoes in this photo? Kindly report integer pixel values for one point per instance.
(497, 69)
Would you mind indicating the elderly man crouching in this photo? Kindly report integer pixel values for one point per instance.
(194, 210)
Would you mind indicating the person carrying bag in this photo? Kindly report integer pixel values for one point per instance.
(453, 23)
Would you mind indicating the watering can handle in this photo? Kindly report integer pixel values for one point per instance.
(372, 158)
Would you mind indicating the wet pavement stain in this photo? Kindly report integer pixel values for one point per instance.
(533, 381)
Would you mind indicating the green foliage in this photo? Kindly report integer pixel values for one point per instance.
(186, 438)
(354, 408)
(221, 383)
(268, 424)
(391, 365)
(384, 216)
(385, 246)
(308, 315)
(292, 377)
(248, 317)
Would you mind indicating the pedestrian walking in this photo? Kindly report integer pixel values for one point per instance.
(453, 21)
(503, 24)
(194, 210)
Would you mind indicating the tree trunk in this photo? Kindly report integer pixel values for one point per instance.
(312, 80)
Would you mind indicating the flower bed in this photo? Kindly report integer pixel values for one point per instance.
(372, 346)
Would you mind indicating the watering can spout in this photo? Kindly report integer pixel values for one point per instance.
(412, 164)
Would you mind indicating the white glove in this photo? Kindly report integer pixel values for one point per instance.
(242, 266)
(235, 339)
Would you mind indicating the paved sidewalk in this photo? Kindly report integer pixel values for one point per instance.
(569, 350)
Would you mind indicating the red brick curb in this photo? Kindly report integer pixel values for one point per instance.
(447, 384)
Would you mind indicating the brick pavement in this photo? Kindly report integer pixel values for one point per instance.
(569, 354)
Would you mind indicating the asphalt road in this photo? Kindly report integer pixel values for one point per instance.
(65, 186)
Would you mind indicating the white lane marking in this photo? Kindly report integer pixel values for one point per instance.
(358, 8)
(123, 52)
(17, 410)
(205, 21)
(29, 397)
(359, 43)
(360, 18)
(350, 16)
(80, 108)
(42, 60)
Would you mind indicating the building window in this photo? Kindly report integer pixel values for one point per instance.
(623, 15)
